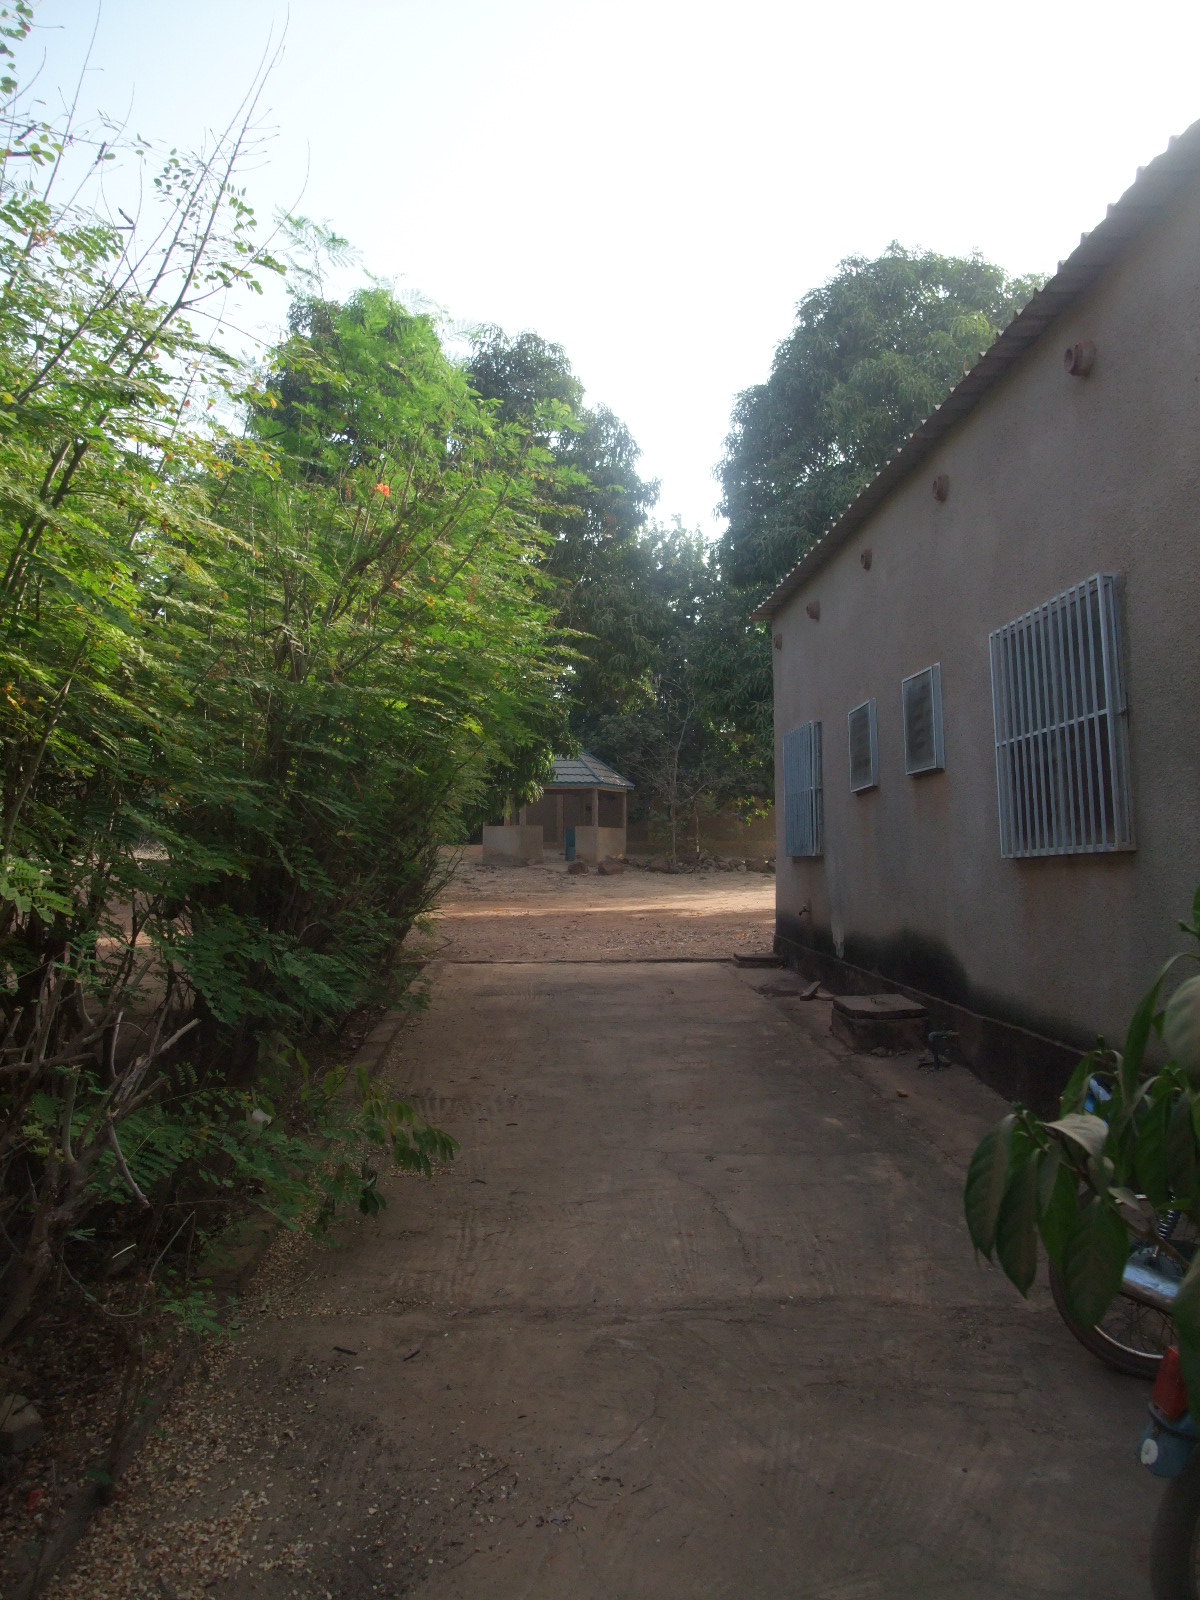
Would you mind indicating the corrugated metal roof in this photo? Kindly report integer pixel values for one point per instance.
(585, 772)
(1154, 189)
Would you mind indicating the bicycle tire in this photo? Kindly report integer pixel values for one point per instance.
(1135, 1360)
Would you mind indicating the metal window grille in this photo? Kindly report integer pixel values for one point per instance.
(803, 812)
(921, 700)
(1061, 720)
(864, 747)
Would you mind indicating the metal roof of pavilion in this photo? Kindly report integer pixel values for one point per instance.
(1154, 189)
(585, 772)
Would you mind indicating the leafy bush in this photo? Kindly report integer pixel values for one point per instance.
(1105, 1171)
(268, 638)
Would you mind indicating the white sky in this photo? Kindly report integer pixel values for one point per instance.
(655, 183)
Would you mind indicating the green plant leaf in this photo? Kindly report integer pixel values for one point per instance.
(1182, 1169)
(1075, 1093)
(1083, 1129)
(1016, 1225)
(1093, 1259)
(987, 1177)
(1058, 1202)
(1150, 1167)
(1139, 1031)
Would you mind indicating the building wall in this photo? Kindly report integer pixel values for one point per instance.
(1052, 479)
(544, 812)
(722, 833)
(598, 844)
(512, 842)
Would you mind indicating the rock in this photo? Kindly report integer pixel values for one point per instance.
(609, 869)
(577, 868)
(20, 1425)
(662, 864)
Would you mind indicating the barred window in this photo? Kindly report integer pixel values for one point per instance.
(864, 747)
(802, 790)
(1061, 721)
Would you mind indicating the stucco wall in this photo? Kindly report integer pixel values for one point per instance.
(512, 842)
(1052, 479)
(598, 844)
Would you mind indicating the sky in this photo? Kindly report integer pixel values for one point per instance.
(655, 185)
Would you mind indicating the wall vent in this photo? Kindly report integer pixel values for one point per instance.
(921, 698)
(803, 811)
(864, 748)
(1061, 721)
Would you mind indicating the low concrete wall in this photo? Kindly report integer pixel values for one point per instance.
(597, 844)
(721, 834)
(512, 843)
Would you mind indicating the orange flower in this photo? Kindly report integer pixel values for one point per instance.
(384, 489)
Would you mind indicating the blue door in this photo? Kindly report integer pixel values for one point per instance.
(569, 843)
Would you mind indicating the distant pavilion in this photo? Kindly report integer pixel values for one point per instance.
(583, 814)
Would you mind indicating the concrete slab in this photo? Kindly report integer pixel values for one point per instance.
(694, 1314)
(879, 1021)
(877, 1007)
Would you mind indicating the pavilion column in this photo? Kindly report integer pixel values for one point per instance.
(596, 820)
(624, 820)
(562, 832)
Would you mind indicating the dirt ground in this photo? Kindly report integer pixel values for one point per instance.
(693, 1314)
(541, 913)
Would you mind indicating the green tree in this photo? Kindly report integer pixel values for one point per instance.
(672, 736)
(378, 653)
(596, 509)
(650, 686)
(873, 351)
(252, 678)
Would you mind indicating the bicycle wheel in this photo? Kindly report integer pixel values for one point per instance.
(1130, 1337)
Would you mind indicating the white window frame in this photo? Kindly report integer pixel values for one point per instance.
(802, 795)
(938, 764)
(1061, 719)
(872, 782)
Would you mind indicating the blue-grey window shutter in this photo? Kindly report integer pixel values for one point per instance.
(802, 790)
(864, 747)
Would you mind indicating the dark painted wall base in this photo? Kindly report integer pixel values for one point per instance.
(1018, 1064)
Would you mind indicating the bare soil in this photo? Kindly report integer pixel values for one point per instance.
(542, 913)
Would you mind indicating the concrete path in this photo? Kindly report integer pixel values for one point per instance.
(694, 1314)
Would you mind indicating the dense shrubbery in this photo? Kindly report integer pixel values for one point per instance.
(267, 638)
